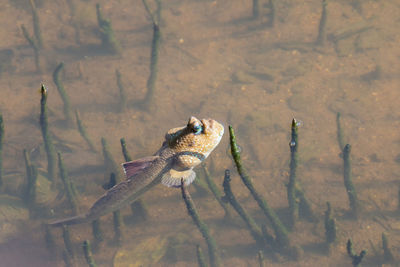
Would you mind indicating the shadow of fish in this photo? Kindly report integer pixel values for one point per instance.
(183, 149)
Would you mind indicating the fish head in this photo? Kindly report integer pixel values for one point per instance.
(193, 143)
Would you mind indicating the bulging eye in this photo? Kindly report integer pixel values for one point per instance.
(197, 129)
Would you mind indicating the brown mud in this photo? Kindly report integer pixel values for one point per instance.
(214, 61)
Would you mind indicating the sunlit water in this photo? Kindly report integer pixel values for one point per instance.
(214, 61)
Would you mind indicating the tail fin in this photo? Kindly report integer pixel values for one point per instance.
(70, 221)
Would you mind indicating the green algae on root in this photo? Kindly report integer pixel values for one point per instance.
(122, 95)
(202, 227)
(340, 134)
(348, 182)
(330, 226)
(214, 189)
(254, 229)
(200, 257)
(48, 143)
(280, 230)
(125, 151)
(291, 186)
(356, 259)
(87, 251)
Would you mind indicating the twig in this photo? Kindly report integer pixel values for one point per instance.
(87, 251)
(62, 92)
(279, 229)
(48, 144)
(82, 131)
(348, 182)
(212, 246)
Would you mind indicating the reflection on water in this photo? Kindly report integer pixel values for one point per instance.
(255, 69)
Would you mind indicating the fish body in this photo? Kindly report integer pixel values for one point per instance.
(183, 149)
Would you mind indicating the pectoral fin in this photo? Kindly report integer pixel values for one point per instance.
(172, 178)
(131, 168)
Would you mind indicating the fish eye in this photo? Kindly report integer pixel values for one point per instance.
(197, 129)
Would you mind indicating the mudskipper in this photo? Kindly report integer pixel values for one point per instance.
(183, 149)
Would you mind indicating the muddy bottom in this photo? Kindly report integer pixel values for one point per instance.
(215, 60)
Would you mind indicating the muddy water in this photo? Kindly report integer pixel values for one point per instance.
(214, 61)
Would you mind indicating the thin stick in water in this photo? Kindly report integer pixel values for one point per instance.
(260, 256)
(69, 187)
(1, 149)
(36, 25)
(330, 226)
(33, 43)
(256, 8)
(151, 82)
(67, 241)
(356, 259)
(214, 189)
(122, 95)
(200, 257)
(87, 251)
(96, 231)
(272, 13)
(348, 182)
(387, 252)
(212, 245)
(254, 229)
(109, 161)
(291, 186)
(48, 143)
(117, 217)
(82, 131)
(340, 135)
(139, 209)
(108, 39)
(321, 39)
(279, 229)
(125, 151)
(50, 242)
(62, 92)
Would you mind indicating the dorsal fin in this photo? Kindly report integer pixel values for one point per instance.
(133, 167)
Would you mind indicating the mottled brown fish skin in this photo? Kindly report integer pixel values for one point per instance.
(183, 148)
(183, 140)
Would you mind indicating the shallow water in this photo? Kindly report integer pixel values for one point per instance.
(214, 61)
